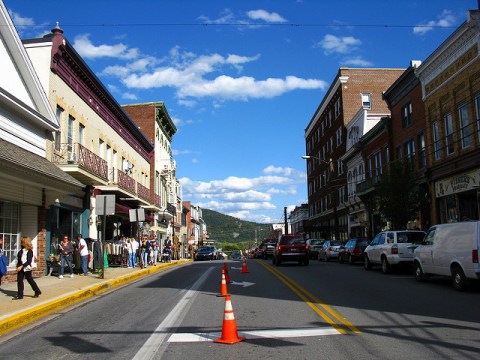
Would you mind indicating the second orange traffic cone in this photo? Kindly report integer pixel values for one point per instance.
(227, 277)
(244, 266)
(229, 328)
(223, 287)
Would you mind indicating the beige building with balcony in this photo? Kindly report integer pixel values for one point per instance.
(97, 143)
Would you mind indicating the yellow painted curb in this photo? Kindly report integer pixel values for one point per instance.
(23, 318)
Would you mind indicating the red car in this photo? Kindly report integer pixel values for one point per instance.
(291, 247)
(353, 250)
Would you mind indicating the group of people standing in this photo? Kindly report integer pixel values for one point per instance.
(66, 249)
(146, 252)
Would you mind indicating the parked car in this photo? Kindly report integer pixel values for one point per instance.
(206, 253)
(269, 247)
(236, 255)
(291, 247)
(314, 246)
(392, 248)
(329, 250)
(259, 253)
(353, 250)
(450, 250)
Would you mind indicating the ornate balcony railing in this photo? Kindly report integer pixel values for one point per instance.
(125, 182)
(143, 192)
(367, 185)
(77, 154)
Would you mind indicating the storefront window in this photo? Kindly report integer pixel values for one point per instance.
(10, 230)
(448, 209)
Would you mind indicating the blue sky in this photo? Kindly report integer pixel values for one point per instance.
(240, 79)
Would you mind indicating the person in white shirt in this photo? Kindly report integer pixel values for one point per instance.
(82, 246)
(135, 245)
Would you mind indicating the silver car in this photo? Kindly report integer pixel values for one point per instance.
(329, 250)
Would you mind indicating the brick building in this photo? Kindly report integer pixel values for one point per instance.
(325, 137)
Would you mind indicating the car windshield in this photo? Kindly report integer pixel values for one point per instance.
(293, 240)
(410, 237)
(363, 242)
(335, 243)
(315, 242)
(205, 249)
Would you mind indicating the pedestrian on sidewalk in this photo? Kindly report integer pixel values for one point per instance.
(3, 262)
(66, 251)
(24, 268)
(82, 246)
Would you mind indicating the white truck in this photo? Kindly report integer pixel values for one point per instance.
(450, 250)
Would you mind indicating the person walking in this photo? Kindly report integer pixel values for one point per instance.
(66, 251)
(24, 268)
(82, 246)
(3, 262)
(131, 254)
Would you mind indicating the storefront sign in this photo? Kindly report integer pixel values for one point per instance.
(458, 183)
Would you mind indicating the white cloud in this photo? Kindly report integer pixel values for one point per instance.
(445, 19)
(86, 49)
(21, 21)
(284, 171)
(357, 61)
(129, 96)
(266, 16)
(188, 75)
(334, 44)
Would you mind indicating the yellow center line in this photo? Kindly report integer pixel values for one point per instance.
(312, 301)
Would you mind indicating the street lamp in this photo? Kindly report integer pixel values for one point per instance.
(331, 189)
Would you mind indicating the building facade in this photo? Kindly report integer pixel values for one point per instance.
(30, 184)
(450, 80)
(325, 137)
(97, 143)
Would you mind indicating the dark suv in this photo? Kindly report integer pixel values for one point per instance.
(353, 250)
(291, 248)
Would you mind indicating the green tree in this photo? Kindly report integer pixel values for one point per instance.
(398, 194)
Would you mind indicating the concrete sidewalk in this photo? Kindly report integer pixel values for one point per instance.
(61, 293)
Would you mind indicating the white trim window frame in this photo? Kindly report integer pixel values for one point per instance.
(464, 125)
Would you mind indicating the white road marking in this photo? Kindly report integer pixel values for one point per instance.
(258, 334)
(243, 283)
(152, 346)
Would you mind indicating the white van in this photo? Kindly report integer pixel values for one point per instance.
(450, 250)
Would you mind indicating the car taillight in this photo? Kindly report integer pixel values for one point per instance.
(394, 250)
(279, 248)
(307, 247)
(475, 256)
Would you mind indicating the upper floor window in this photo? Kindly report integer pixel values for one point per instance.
(366, 101)
(409, 149)
(71, 120)
(464, 125)
(407, 119)
(436, 141)
(340, 167)
(449, 144)
(421, 151)
(58, 134)
(339, 136)
(477, 108)
(377, 158)
(81, 132)
(338, 108)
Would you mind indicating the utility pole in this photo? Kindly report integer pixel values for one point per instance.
(286, 221)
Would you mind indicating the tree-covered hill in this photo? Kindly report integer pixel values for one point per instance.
(225, 228)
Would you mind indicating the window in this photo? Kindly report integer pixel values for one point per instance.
(449, 145)
(101, 148)
(81, 130)
(340, 167)
(409, 149)
(339, 137)
(378, 163)
(464, 126)
(366, 103)
(338, 108)
(71, 154)
(436, 141)
(407, 119)
(421, 151)
(58, 134)
(477, 107)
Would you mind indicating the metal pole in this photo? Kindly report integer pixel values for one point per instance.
(139, 239)
(104, 226)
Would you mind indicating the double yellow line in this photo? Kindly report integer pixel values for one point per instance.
(332, 318)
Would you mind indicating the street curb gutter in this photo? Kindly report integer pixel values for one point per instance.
(34, 313)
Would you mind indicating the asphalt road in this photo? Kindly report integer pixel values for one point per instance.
(325, 310)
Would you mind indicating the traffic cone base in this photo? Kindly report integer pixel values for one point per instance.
(229, 328)
(223, 286)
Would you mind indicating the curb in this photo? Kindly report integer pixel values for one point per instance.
(24, 317)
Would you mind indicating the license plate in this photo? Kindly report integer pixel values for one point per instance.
(293, 249)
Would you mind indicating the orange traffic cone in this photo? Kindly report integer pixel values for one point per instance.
(244, 267)
(227, 277)
(223, 287)
(229, 328)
